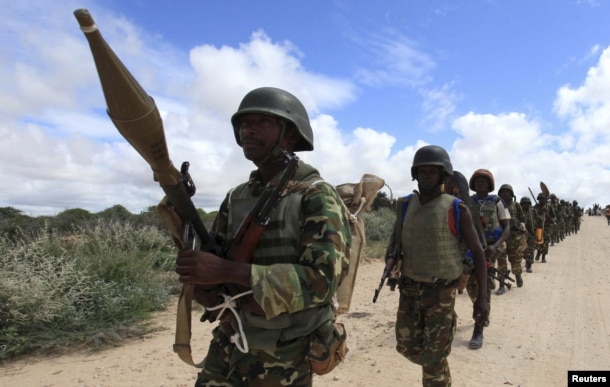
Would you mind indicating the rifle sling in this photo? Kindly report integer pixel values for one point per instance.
(182, 342)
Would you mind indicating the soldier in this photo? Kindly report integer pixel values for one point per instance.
(495, 218)
(544, 213)
(530, 225)
(428, 240)
(555, 225)
(516, 242)
(577, 216)
(296, 267)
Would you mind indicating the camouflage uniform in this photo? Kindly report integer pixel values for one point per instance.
(490, 218)
(530, 226)
(577, 216)
(515, 244)
(296, 270)
(556, 225)
(547, 213)
(425, 327)
(426, 319)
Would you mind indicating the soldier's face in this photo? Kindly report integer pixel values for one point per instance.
(481, 184)
(506, 195)
(258, 134)
(428, 178)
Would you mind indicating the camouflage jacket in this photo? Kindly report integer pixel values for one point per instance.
(303, 254)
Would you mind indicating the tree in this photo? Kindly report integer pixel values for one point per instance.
(116, 212)
(381, 201)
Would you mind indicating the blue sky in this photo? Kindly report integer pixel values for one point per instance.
(519, 87)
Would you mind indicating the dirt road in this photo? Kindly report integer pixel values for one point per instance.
(558, 321)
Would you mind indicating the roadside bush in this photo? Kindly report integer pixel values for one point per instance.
(378, 225)
(61, 291)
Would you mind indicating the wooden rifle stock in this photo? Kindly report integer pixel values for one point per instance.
(251, 233)
(255, 222)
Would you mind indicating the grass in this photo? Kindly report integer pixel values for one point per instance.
(94, 287)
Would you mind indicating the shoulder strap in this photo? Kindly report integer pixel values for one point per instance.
(403, 208)
(458, 216)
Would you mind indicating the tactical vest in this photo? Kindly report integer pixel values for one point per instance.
(516, 217)
(488, 211)
(431, 250)
(278, 244)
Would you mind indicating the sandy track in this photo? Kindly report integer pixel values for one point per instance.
(558, 321)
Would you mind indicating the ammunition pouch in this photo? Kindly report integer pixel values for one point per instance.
(328, 347)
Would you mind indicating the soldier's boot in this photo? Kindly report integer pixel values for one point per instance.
(543, 258)
(519, 280)
(528, 267)
(477, 338)
(501, 290)
(538, 253)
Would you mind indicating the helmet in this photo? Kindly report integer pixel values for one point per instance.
(541, 196)
(508, 187)
(525, 199)
(431, 155)
(482, 172)
(575, 203)
(280, 103)
(553, 196)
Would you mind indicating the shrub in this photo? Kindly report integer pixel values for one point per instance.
(58, 291)
(378, 224)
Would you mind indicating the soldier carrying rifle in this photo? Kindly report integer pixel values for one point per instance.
(426, 250)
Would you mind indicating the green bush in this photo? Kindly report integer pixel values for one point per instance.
(101, 283)
(378, 224)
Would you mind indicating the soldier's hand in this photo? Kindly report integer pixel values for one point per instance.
(199, 267)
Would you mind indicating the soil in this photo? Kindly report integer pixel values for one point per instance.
(558, 321)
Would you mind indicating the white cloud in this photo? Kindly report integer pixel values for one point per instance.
(59, 150)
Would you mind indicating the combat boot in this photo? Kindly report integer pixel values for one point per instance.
(519, 280)
(501, 290)
(477, 338)
(544, 258)
(528, 267)
(538, 255)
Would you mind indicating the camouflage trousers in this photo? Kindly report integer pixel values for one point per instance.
(515, 246)
(225, 365)
(528, 254)
(472, 287)
(546, 238)
(425, 327)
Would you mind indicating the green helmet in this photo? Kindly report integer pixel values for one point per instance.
(279, 103)
(508, 187)
(431, 155)
(525, 199)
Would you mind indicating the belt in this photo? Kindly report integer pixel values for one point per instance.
(405, 281)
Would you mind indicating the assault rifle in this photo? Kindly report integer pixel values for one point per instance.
(389, 257)
(499, 276)
(135, 115)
